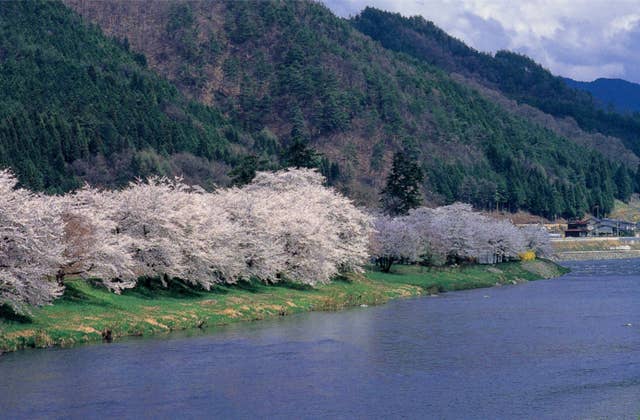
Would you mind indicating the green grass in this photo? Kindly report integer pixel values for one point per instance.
(85, 312)
(436, 279)
(627, 211)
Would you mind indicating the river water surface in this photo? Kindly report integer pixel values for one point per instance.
(562, 348)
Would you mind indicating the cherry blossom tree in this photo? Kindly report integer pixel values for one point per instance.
(283, 226)
(152, 214)
(211, 245)
(395, 239)
(537, 239)
(342, 228)
(496, 240)
(453, 232)
(456, 233)
(298, 229)
(31, 249)
(94, 247)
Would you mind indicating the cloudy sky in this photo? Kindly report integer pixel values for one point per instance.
(581, 39)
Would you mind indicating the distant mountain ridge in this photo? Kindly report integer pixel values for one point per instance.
(622, 95)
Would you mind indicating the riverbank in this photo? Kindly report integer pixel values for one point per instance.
(581, 249)
(597, 255)
(89, 314)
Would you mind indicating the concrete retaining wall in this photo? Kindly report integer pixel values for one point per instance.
(596, 255)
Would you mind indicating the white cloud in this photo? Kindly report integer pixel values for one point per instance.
(582, 39)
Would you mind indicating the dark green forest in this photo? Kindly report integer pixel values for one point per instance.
(68, 93)
(298, 87)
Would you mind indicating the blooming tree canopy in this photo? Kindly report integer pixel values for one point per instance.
(452, 234)
(395, 239)
(283, 226)
(31, 249)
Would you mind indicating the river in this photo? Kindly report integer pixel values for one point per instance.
(562, 348)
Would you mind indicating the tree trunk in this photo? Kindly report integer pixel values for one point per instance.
(385, 264)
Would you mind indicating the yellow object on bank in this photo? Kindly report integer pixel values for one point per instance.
(527, 256)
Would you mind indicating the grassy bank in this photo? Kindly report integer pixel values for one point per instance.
(627, 211)
(88, 313)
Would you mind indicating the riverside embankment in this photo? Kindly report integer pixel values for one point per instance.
(583, 249)
(89, 314)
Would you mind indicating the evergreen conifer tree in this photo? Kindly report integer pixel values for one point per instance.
(402, 191)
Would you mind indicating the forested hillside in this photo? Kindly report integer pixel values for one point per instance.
(263, 84)
(74, 104)
(514, 74)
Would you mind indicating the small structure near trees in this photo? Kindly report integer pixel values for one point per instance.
(599, 227)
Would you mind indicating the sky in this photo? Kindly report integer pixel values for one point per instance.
(581, 39)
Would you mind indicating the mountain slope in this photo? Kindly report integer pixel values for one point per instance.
(301, 72)
(621, 95)
(282, 74)
(74, 105)
(612, 148)
(515, 75)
